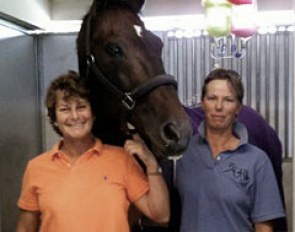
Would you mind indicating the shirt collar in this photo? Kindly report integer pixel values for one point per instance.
(239, 130)
(56, 152)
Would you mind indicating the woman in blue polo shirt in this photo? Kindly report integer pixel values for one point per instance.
(226, 184)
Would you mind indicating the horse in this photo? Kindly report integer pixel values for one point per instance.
(121, 62)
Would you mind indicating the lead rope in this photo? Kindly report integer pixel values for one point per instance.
(174, 162)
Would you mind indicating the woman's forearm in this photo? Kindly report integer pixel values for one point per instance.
(264, 226)
(158, 196)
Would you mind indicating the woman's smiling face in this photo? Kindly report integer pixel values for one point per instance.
(74, 117)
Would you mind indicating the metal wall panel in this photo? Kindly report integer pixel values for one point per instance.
(19, 120)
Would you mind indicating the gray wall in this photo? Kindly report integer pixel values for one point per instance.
(19, 120)
(289, 197)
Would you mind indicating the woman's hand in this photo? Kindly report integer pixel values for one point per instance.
(137, 147)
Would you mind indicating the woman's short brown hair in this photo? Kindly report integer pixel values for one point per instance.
(70, 85)
(231, 76)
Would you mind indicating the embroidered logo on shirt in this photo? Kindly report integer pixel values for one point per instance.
(238, 173)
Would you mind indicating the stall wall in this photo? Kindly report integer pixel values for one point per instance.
(20, 137)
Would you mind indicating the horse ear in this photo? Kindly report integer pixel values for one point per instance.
(93, 7)
(136, 4)
(97, 4)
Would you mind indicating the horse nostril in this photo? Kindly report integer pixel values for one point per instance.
(170, 134)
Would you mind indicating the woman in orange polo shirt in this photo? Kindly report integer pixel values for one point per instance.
(82, 185)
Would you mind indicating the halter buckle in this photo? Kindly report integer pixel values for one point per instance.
(90, 60)
(128, 101)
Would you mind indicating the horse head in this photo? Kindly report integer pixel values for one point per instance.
(121, 62)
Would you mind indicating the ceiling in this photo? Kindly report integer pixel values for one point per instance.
(75, 9)
(40, 13)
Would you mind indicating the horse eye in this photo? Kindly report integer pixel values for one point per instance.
(114, 49)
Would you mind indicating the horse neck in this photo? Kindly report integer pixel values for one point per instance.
(109, 132)
(109, 116)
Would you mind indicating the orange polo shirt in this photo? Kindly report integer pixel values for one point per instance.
(92, 195)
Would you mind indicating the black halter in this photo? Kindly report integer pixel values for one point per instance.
(129, 98)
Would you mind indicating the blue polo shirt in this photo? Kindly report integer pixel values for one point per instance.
(229, 193)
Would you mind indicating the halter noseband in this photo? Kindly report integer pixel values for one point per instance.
(129, 98)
